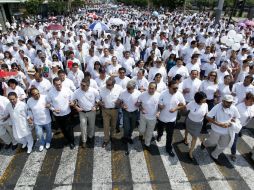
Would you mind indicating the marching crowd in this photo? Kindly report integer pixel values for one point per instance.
(148, 69)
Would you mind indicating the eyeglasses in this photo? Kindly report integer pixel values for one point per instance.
(14, 68)
(109, 84)
(84, 85)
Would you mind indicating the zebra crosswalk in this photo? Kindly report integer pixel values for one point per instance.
(122, 166)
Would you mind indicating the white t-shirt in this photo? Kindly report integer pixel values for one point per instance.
(43, 86)
(197, 112)
(86, 99)
(130, 99)
(122, 82)
(223, 115)
(76, 77)
(170, 101)
(193, 86)
(209, 67)
(223, 90)
(209, 88)
(246, 113)
(149, 104)
(109, 97)
(240, 90)
(183, 71)
(38, 111)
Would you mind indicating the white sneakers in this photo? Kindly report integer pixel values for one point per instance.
(23, 146)
(47, 146)
(41, 148)
(29, 150)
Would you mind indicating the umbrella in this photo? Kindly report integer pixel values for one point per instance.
(155, 13)
(55, 27)
(116, 21)
(98, 26)
(92, 15)
(4, 74)
(29, 31)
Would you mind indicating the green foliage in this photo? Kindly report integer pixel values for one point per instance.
(33, 6)
(57, 7)
(172, 4)
(77, 3)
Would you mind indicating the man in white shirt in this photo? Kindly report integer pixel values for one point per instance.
(122, 80)
(66, 82)
(17, 111)
(101, 80)
(222, 116)
(39, 115)
(170, 102)
(148, 105)
(6, 134)
(179, 68)
(128, 63)
(127, 100)
(158, 68)
(240, 89)
(59, 97)
(246, 111)
(108, 96)
(76, 75)
(41, 83)
(85, 99)
(191, 86)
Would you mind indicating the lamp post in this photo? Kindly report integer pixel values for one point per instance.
(219, 11)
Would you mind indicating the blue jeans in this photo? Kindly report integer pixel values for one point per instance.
(129, 122)
(233, 148)
(40, 134)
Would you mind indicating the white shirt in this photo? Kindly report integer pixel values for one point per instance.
(197, 112)
(224, 116)
(128, 64)
(60, 100)
(109, 97)
(130, 99)
(240, 90)
(86, 99)
(101, 82)
(43, 86)
(209, 67)
(193, 86)
(19, 91)
(154, 70)
(209, 88)
(149, 104)
(220, 75)
(3, 103)
(183, 71)
(246, 113)
(223, 90)
(76, 77)
(122, 82)
(170, 101)
(38, 110)
(68, 83)
(141, 83)
(192, 67)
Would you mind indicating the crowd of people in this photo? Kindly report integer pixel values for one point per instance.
(150, 68)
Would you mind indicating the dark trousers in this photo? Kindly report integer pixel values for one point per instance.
(169, 130)
(129, 122)
(233, 148)
(63, 123)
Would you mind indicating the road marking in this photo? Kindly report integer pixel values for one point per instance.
(175, 172)
(212, 173)
(140, 175)
(5, 158)
(102, 169)
(66, 169)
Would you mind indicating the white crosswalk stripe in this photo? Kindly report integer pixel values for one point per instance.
(141, 179)
(139, 172)
(102, 169)
(175, 172)
(66, 169)
(213, 175)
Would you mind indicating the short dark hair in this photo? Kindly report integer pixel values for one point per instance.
(122, 69)
(199, 96)
(249, 96)
(172, 82)
(87, 74)
(13, 81)
(12, 94)
(61, 72)
(56, 79)
(74, 65)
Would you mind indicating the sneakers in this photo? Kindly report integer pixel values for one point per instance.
(72, 146)
(29, 150)
(47, 146)
(23, 146)
(41, 148)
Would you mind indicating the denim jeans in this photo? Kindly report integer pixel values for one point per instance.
(39, 132)
(129, 122)
(233, 148)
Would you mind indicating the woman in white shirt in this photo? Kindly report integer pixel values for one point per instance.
(194, 121)
(210, 88)
(139, 65)
(161, 86)
(8, 59)
(211, 66)
(13, 87)
(224, 88)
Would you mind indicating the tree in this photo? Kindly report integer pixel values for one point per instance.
(33, 6)
(57, 6)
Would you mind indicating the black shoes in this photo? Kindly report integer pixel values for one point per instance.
(202, 146)
(14, 147)
(72, 146)
(171, 153)
(104, 144)
(7, 146)
(158, 138)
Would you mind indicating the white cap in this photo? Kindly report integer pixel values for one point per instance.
(228, 98)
